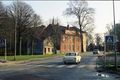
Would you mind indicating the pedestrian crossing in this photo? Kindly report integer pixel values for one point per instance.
(64, 66)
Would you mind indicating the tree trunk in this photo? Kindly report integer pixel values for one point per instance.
(32, 46)
(28, 49)
(81, 37)
(55, 49)
(5, 49)
(20, 45)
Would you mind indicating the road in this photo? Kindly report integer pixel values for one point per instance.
(54, 69)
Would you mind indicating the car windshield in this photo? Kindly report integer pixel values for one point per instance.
(70, 54)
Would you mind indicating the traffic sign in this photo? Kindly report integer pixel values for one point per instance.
(109, 39)
(2, 42)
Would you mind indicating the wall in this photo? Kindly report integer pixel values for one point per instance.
(70, 43)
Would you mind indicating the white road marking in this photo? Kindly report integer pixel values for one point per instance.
(40, 65)
(60, 66)
(49, 66)
(71, 66)
(81, 66)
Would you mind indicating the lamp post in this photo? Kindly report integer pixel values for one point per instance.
(115, 36)
(15, 39)
(16, 12)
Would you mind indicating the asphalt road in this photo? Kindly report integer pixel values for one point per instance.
(54, 69)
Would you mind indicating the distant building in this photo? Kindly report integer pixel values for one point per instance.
(70, 41)
(44, 46)
(37, 47)
(47, 46)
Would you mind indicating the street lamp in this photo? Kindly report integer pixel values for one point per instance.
(16, 12)
(115, 36)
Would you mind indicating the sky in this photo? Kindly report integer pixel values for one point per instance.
(103, 12)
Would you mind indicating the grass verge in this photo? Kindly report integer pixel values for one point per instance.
(28, 57)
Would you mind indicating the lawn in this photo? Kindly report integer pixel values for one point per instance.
(113, 54)
(28, 57)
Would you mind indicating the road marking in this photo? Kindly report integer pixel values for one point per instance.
(71, 66)
(60, 66)
(81, 66)
(40, 65)
(49, 66)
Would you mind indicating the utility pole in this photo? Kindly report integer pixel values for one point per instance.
(16, 13)
(115, 36)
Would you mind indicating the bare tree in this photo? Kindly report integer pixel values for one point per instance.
(98, 39)
(36, 20)
(21, 13)
(4, 22)
(109, 28)
(84, 15)
(1, 17)
(6, 28)
(2, 10)
(55, 33)
(24, 15)
(36, 23)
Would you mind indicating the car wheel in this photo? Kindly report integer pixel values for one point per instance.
(65, 62)
(76, 62)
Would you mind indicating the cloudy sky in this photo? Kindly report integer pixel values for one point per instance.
(103, 12)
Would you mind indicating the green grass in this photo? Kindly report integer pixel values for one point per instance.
(31, 57)
(113, 54)
(28, 57)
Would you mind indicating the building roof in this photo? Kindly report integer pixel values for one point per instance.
(43, 32)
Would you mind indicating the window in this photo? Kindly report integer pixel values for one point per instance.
(70, 54)
(45, 50)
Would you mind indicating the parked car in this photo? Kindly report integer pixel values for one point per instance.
(96, 51)
(72, 57)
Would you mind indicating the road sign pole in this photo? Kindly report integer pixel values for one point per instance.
(114, 36)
